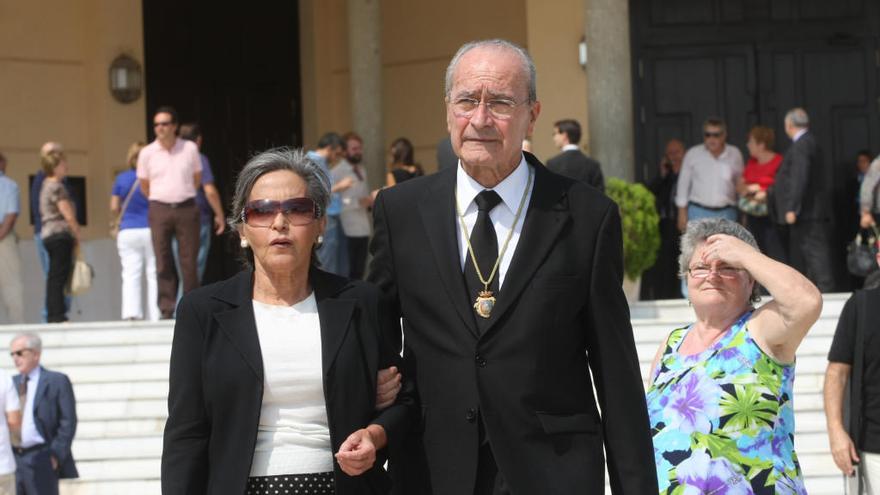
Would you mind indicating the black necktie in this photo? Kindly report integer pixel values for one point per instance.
(485, 245)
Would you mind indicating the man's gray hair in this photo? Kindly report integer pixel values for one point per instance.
(33, 341)
(295, 160)
(527, 62)
(699, 230)
(798, 118)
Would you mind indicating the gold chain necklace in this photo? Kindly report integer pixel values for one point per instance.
(485, 301)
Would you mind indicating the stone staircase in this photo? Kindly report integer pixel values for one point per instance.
(120, 376)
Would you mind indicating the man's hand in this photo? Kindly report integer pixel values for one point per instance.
(54, 462)
(357, 453)
(682, 219)
(790, 217)
(387, 387)
(843, 450)
(866, 220)
(219, 224)
(343, 184)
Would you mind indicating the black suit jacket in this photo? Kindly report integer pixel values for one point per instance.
(560, 310)
(578, 166)
(216, 383)
(55, 417)
(801, 183)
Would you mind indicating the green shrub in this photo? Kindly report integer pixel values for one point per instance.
(641, 225)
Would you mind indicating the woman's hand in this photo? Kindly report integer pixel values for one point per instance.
(357, 454)
(387, 386)
(843, 450)
(727, 249)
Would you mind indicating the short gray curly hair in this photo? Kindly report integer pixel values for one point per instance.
(699, 230)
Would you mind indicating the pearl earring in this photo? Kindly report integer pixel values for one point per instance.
(244, 243)
(320, 239)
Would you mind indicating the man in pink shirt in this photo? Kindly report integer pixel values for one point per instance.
(170, 172)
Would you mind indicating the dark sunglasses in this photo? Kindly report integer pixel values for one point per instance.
(297, 211)
(713, 134)
(19, 353)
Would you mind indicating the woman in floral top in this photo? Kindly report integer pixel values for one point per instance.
(720, 401)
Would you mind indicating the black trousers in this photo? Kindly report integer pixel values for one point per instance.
(357, 256)
(60, 249)
(34, 474)
(810, 252)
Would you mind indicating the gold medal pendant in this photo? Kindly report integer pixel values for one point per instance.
(485, 303)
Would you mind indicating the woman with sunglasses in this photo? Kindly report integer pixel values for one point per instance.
(720, 399)
(273, 371)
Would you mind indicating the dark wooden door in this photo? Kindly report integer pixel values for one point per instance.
(234, 69)
(749, 62)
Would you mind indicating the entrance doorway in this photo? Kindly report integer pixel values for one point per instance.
(234, 69)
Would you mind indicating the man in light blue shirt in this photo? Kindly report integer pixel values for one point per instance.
(10, 264)
(333, 253)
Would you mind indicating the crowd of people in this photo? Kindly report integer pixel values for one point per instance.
(490, 350)
(785, 200)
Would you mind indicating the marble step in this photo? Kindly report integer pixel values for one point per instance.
(134, 486)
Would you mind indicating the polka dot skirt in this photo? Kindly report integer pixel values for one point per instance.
(292, 484)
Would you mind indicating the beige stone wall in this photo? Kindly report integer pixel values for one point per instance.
(553, 36)
(418, 39)
(54, 61)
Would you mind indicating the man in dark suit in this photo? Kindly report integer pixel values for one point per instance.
(508, 280)
(572, 162)
(48, 407)
(802, 201)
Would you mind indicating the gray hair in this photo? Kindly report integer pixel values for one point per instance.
(798, 118)
(295, 160)
(33, 340)
(699, 230)
(527, 62)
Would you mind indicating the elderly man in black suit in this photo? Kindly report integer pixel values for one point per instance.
(48, 407)
(572, 162)
(802, 201)
(508, 280)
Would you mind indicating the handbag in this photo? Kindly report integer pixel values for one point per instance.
(751, 207)
(861, 256)
(114, 224)
(81, 276)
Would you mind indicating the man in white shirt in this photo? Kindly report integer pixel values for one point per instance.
(707, 181)
(8, 429)
(10, 264)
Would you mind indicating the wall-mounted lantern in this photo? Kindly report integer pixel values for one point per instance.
(126, 79)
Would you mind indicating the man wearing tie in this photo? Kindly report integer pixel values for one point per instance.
(508, 280)
(42, 455)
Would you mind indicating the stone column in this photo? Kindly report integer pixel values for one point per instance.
(365, 64)
(609, 86)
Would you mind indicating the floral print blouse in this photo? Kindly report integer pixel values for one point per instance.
(723, 419)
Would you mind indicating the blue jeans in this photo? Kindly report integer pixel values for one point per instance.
(333, 253)
(43, 256)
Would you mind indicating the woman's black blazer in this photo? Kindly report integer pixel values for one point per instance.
(216, 383)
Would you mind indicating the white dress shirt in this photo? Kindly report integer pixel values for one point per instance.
(709, 180)
(566, 147)
(29, 434)
(798, 134)
(511, 191)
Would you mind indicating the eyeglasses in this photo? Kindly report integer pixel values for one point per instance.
(498, 108)
(162, 124)
(700, 271)
(713, 134)
(297, 211)
(19, 353)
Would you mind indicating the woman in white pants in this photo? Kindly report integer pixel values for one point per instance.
(134, 243)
